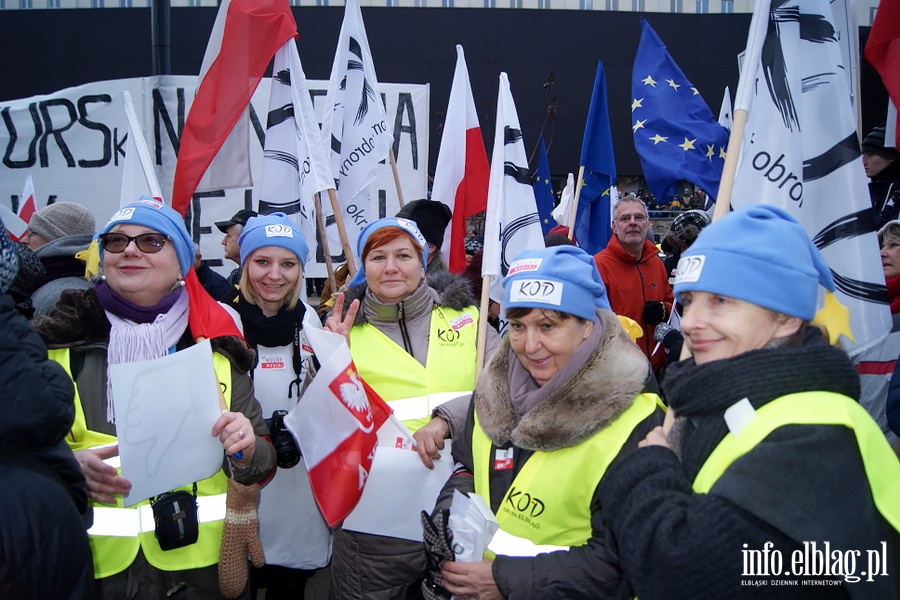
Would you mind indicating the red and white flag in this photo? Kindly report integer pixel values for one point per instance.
(883, 52)
(336, 424)
(245, 36)
(26, 200)
(15, 227)
(462, 170)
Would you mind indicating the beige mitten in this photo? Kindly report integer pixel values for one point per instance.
(240, 538)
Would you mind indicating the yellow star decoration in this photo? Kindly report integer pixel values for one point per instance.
(637, 103)
(631, 327)
(696, 91)
(648, 80)
(722, 153)
(658, 138)
(638, 125)
(835, 318)
(710, 151)
(687, 144)
(673, 85)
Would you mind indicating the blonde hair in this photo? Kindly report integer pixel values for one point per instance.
(290, 301)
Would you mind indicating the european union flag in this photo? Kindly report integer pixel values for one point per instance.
(543, 190)
(593, 216)
(675, 133)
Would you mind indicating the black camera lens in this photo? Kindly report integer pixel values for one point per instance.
(287, 454)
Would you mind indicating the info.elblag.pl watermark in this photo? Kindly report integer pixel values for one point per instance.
(821, 561)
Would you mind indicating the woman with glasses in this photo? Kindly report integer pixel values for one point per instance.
(148, 304)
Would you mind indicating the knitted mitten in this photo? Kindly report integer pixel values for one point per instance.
(240, 538)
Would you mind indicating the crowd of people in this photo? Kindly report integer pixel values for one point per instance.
(647, 425)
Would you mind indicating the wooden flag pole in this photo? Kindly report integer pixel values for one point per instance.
(396, 175)
(726, 184)
(573, 210)
(320, 225)
(342, 231)
(482, 323)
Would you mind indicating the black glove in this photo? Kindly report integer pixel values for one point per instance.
(438, 548)
(654, 312)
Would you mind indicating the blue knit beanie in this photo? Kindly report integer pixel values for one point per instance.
(159, 217)
(404, 224)
(274, 229)
(759, 254)
(562, 278)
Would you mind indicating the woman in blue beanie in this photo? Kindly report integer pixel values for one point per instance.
(149, 304)
(769, 473)
(412, 339)
(294, 536)
(561, 400)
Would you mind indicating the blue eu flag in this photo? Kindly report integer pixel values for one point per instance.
(675, 133)
(543, 190)
(593, 215)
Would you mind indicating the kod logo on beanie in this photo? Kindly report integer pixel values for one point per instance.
(279, 230)
(123, 214)
(689, 269)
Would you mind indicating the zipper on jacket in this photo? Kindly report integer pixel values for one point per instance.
(401, 320)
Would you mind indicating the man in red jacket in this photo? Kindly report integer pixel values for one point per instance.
(635, 276)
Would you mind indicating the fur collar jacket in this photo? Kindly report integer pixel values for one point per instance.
(79, 320)
(587, 402)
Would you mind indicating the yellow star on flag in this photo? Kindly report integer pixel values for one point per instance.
(658, 138)
(638, 125)
(673, 85)
(710, 151)
(722, 153)
(696, 91)
(835, 318)
(648, 80)
(637, 103)
(687, 144)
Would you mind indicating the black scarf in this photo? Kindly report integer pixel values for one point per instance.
(702, 393)
(279, 330)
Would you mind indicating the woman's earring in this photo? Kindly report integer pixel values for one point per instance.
(181, 282)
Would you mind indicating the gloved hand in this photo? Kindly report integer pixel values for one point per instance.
(654, 312)
(240, 538)
(438, 548)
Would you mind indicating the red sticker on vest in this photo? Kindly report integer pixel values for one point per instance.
(503, 459)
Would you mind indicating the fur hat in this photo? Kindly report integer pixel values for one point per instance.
(9, 261)
(562, 278)
(275, 229)
(159, 217)
(430, 216)
(404, 224)
(873, 143)
(759, 254)
(61, 219)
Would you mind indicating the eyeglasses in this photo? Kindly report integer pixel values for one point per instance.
(151, 243)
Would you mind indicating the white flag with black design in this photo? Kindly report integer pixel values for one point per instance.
(295, 164)
(512, 224)
(354, 126)
(800, 151)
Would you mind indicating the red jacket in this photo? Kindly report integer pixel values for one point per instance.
(630, 283)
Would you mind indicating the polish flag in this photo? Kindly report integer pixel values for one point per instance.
(244, 38)
(883, 51)
(336, 425)
(26, 200)
(462, 170)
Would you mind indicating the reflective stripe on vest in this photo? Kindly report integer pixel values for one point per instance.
(815, 408)
(395, 374)
(114, 552)
(548, 504)
(127, 522)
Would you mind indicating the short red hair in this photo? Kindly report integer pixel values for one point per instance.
(386, 235)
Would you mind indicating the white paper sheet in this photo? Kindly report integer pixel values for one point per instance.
(165, 411)
(398, 489)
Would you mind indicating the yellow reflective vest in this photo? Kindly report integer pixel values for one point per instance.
(119, 532)
(401, 380)
(548, 505)
(815, 408)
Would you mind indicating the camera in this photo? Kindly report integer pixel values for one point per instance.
(286, 451)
